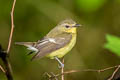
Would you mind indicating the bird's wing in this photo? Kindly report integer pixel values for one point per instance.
(48, 45)
(27, 44)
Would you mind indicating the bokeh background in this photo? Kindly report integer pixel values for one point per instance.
(35, 18)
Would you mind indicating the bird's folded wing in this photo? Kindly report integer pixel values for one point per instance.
(27, 44)
(48, 45)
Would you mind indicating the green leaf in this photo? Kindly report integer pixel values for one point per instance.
(113, 44)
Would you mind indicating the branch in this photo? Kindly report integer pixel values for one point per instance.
(51, 76)
(91, 70)
(6, 57)
(113, 74)
(62, 70)
(12, 26)
(5, 60)
(4, 54)
(2, 69)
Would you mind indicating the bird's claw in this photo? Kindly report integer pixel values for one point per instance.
(60, 65)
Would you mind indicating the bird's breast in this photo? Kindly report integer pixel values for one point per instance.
(62, 51)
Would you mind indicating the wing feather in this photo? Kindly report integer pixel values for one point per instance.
(46, 47)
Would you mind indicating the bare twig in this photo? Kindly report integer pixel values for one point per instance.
(4, 55)
(74, 71)
(86, 70)
(2, 69)
(102, 70)
(113, 74)
(54, 76)
(12, 26)
(8, 69)
(91, 70)
(51, 76)
(5, 60)
(62, 70)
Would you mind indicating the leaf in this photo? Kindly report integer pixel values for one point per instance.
(113, 44)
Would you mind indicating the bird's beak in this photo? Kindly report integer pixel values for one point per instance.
(77, 25)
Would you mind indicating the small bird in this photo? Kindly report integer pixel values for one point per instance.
(58, 42)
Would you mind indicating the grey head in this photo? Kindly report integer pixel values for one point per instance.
(68, 23)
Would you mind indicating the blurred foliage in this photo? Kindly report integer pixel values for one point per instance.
(113, 44)
(90, 5)
(35, 18)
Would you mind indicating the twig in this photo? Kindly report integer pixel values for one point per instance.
(8, 69)
(2, 69)
(62, 70)
(12, 26)
(113, 74)
(54, 76)
(4, 55)
(51, 76)
(89, 70)
(86, 70)
(74, 71)
(102, 70)
(5, 60)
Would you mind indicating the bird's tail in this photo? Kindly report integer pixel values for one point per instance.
(27, 44)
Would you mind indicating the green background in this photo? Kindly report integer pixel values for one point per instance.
(35, 18)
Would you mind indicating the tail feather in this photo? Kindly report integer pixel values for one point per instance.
(25, 43)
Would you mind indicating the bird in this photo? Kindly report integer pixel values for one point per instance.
(57, 43)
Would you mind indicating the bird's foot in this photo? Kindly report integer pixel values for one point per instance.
(60, 65)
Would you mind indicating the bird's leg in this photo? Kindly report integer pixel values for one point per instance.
(61, 64)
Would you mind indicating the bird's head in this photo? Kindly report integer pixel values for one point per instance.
(68, 26)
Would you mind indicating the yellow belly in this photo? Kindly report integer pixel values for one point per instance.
(62, 51)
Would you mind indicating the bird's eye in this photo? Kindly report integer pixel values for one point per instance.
(67, 26)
